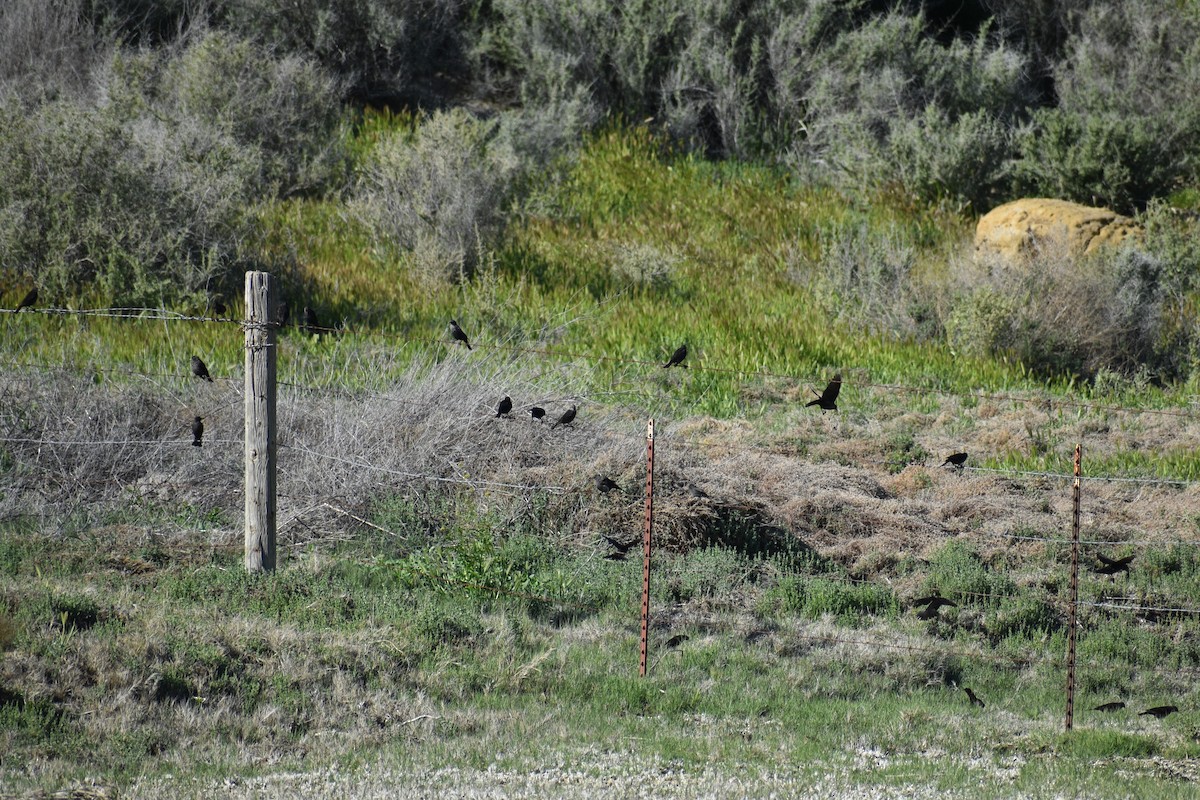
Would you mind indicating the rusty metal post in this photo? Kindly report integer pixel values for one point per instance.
(643, 649)
(1072, 613)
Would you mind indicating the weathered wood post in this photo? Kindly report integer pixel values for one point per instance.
(260, 422)
(644, 643)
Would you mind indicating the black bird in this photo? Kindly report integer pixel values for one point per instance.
(457, 333)
(827, 400)
(200, 370)
(616, 555)
(956, 460)
(567, 417)
(218, 307)
(676, 359)
(310, 321)
(1112, 566)
(282, 311)
(975, 701)
(504, 407)
(605, 484)
(197, 431)
(537, 412)
(696, 491)
(677, 640)
(1158, 712)
(620, 547)
(28, 300)
(1116, 706)
(932, 604)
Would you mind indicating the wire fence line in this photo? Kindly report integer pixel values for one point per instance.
(161, 314)
(974, 651)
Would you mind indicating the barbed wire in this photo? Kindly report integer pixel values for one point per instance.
(172, 316)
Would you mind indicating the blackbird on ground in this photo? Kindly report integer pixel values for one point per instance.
(537, 412)
(605, 484)
(197, 432)
(1114, 706)
(955, 460)
(200, 370)
(676, 359)
(975, 701)
(457, 333)
(1158, 712)
(827, 400)
(620, 547)
(504, 407)
(677, 640)
(696, 492)
(567, 417)
(30, 298)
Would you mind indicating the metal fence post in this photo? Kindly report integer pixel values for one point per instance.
(1072, 614)
(644, 650)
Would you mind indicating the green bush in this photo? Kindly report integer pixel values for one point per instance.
(1063, 315)
(147, 197)
(438, 192)
(966, 160)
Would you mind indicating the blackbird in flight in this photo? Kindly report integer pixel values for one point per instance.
(457, 333)
(1158, 712)
(537, 412)
(504, 407)
(1115, 706)
(827, 400)
(676, 359)
(567, 417)
(605, 484)
(200, 370)
(197, 431)
(932, 604)
(975, 701)
(1111, 566)
(28, 300)
(956, 460)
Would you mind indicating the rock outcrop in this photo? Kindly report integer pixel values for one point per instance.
(1015, 230)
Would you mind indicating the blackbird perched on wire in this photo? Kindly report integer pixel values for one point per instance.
(676, 359)
(1106, 707)
(197, 432)
(218, 307)
(200, 370)
(1111, 566)
(975, 701)
(504, 407)
(605, 484)
(932, 604)
(537, 412)
(567, 417)
(282, 311)
(30, 298)
(1158, 712)
(955, 460)
(827, 400)
(457, 333)
(311, 325)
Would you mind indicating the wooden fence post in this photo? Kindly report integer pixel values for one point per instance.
(1072, 613)
(260, 422)
(643, 646)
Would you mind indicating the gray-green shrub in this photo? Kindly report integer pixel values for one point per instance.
(438, 192)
